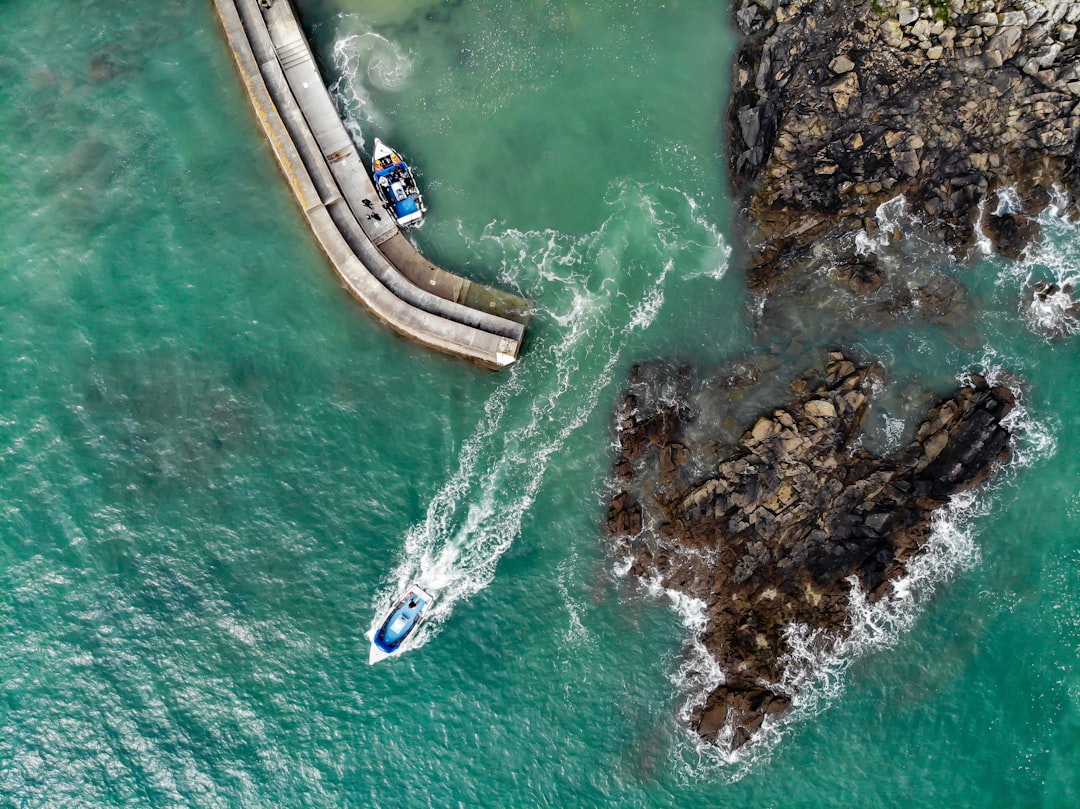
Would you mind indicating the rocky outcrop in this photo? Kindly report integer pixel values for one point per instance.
(839, 106)
(777, 517)
(773, 529)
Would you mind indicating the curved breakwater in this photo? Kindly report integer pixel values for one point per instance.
(374, 260)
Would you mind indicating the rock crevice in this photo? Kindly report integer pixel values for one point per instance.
(790, 519)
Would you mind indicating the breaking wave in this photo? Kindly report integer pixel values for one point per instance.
(597, 292)
(891, 215)
(1048, 273)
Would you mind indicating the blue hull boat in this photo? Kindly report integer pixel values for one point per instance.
(399, 624)
(396, 185)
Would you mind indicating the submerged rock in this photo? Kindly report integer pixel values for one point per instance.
(788, 519)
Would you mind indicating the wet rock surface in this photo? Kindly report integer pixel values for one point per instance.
(775, 526)
(838, 107)
(1052, 310)
(871, 145)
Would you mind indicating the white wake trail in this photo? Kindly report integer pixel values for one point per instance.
(606, 287)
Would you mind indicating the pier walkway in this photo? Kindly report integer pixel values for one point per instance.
(374, 260)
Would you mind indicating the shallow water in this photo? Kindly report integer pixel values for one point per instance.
(216, 466)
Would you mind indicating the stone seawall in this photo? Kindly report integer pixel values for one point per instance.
(373, 259)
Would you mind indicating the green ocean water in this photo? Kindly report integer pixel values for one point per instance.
(216, 467)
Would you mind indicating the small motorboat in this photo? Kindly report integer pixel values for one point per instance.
(399, 624)
(396, 185)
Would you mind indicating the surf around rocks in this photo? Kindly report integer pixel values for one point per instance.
(968, 114)
(789, 519)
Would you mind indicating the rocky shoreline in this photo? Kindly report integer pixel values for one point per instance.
(838, 107)
(789, 519)
(775, 518)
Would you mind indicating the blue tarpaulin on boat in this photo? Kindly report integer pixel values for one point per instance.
(406, 207)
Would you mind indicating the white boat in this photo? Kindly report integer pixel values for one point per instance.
(399, 624)
(396, 185)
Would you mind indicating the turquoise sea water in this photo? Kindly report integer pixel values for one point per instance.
(215, 466)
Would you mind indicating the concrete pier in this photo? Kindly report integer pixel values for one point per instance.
(374, 260)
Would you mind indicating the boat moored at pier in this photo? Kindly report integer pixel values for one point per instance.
(396, 185)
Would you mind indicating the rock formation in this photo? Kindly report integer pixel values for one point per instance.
(837, 108)
(840, 106)
(776, 532)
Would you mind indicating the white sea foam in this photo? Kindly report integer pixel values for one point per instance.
(894, 431)
(890, 215)
(1009, 201)
(1055, 259)
(622, 566)
(982, 241)
(1034, 440)
(817, 665)
(715, 246)
(364, 62)
(654, 298)
(599, 290)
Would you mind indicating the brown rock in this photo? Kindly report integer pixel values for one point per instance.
(789, 516)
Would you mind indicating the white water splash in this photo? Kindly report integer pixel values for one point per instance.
(1054, 260)
(365, 62)
(599, 291)
(983, 242)
(715, 243)
(1009, 201)
(699, 674)
(894, 432)
(1034, 441)
(816, 667)
(890, 215)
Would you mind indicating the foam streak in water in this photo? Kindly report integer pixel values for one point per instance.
(364, 62)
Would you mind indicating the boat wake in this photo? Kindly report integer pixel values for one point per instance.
(597, 293)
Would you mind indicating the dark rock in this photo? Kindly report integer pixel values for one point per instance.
(1010, 233)
(862, 276)
(788, 516)
(820, 135)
